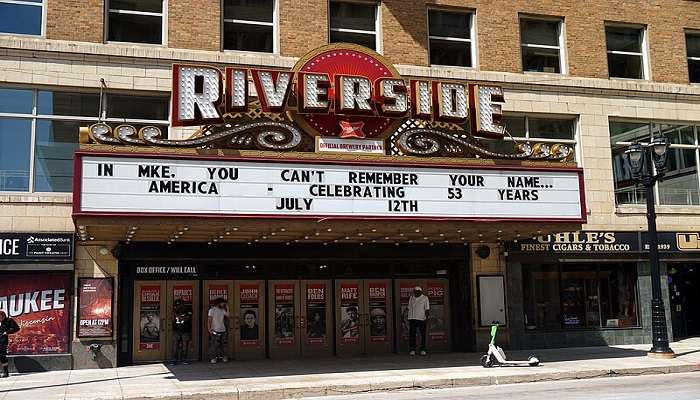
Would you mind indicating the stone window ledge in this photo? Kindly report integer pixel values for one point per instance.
(633, 209)
(53, 198)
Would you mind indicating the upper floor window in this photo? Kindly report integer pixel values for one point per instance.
(541, 42)
(249, 25)
(692, 44)
(627, 54)
(534, 129)
(135, 21)
(39, 132)
(23, 17)
(681, 184)
(450, 36)
(354, 23)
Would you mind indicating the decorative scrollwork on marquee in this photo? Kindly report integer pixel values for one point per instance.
(431, 142)
(262, 135)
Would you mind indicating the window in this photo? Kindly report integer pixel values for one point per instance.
(135, 21)
(571, 296)
(534, 129)
(354, 23)
(692, 44)
(541, 41)
(50, 120)
(450, 36)
(626, 52)
(249, 25)
(681, 184)
(23, 17)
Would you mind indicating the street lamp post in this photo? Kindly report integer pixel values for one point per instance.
(640, 158)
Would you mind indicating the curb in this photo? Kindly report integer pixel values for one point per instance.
(274, 392)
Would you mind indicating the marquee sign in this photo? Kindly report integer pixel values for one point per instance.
(189, 185)
(340, 91)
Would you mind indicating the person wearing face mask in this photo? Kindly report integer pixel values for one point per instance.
(8, 326)
(218, 330)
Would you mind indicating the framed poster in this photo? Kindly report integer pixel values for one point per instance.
(95, 304)
(492, 301)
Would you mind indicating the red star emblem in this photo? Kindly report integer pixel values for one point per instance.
(351, 130)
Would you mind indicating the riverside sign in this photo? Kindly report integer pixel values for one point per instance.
(337, 90)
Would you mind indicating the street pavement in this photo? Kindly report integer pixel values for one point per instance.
(379, 375)
(683, 386)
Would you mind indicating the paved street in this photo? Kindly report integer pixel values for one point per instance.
(683, 386)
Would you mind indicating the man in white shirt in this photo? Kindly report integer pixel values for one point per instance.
(218, 331)
(418, 312)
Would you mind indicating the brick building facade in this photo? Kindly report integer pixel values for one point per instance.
(72, 53)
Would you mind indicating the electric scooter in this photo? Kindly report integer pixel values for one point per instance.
(496, 356)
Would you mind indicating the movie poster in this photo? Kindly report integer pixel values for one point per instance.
(217, 291)
(349, 312)
(40, 304)
(249, 313)
(316, 313)
(284, 313)
(436, 322)
(405, 293)
(149, 324)
(95, 312)
(377, 312)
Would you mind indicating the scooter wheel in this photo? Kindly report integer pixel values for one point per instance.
(533, 361)
(486, 362)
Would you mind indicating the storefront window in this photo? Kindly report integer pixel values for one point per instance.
(51, 120)
(681, 184)
(571, 296)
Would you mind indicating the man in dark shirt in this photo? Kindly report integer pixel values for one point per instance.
(182, 331)
(8, 326)
(249, 327)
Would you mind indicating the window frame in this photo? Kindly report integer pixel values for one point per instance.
(164, 24)
(472, 36)
(651, 123)
(378, 42)
(644, 46)
(43, 4)
(35, 117)
(275, 24)
(696, 34)
(561, 38)
(575, 120)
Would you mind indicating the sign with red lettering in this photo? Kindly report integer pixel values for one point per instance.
(40, 304)
(284, 314)
(436, 322)
(217, 291)
(149, 318)
(377, 311)
(405, 293)
(316, 313)
(249, 313)
(95, 299)
(350, 312)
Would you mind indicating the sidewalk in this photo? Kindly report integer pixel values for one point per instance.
(268, 379)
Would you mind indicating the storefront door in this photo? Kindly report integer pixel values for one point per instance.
(213, 291)
(249, 320)
(154, 313)
(300, 318)
(363, 316)
(684, 279)
(438, 325)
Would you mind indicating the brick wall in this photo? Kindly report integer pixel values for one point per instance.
(194, 24)
(78, 20)
(303, 26)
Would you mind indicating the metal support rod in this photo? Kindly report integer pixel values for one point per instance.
(658, 314)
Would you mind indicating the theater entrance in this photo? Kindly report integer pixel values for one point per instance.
(300, 318)
(438, 335)
(364, 321)
(154, 338)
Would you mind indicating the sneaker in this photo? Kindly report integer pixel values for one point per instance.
(185, 363)
(423, 353)
(172, 363)
(412, 353)
(213, 361)
(224, 359)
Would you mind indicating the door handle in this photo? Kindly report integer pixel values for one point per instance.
(302, 322)
(236, 323)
